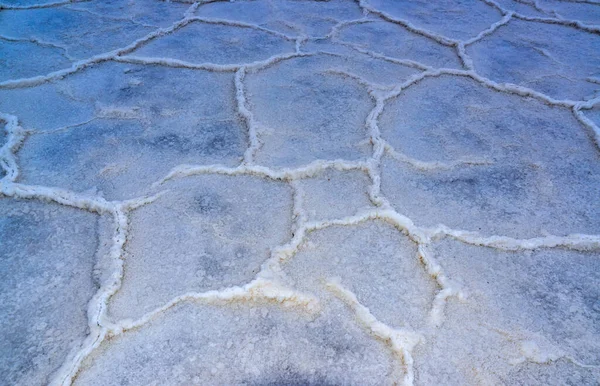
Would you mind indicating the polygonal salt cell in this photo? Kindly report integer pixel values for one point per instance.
(27, 3)
(451, 118)
(381, 72)
(206, 232)
(292, 17)
(376, 262)
(148, 120)
(255, 12)
(314, 18)
(243, 344)
(46, 263)
(200, 42)
(146, 12)
(306, 113)
(163, 99)
(82, 33)
(395, 41)
(528, 316)
(120, 158)
(521, 53)
(458, 20)
(586, 13)
(527, 9)
(542, 167)
(335, 194)
(45, 107)
(518, 200)
(16, 59)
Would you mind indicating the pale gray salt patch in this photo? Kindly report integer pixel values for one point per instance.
(257, 12)
(449, 118)
(292, 17)
(458, 20)
(46, 261)
(376, 262)
(395, 41)
(584, 12)
(27, 2)
(243, 344)
(148, 120)
(45, 107)
(378, 71)
(523, 8)
(335, 194)
(206, 233)
(521, 53)
(214, 43)
(152, 13)
(315, 18)
(464, 350)
(558, 372)
(83, 34)
(306, 114)
(528, 317)
(16, 59)
(120, 158)
(518, 200)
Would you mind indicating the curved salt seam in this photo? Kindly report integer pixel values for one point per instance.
(401, 342)
(15, 136)
(247, 116)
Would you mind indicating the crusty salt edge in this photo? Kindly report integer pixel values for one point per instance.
(433, 165)
(548, 20)
(461, 46)
(247, 116)
(408, 25)
(284, 174)
(41, 43)
(12, 7)
(589, 124)
(257, 291)
(14, 139)
(578, 242)
(400, 341)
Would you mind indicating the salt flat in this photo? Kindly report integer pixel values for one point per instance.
(298, 192)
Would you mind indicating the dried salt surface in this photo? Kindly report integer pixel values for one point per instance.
(243, 345)
(379, 264)
(339, 192)
(334, 194)
(453, 19)
(586, 12)
(330, 123)
(521, 53)
(47, 257)
(311, 18)
(215, 232)
(530, 167)
(81, 34)
(394, 41)
(534, 314)
(15, 52)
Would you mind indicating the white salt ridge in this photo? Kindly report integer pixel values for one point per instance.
(270, 284)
